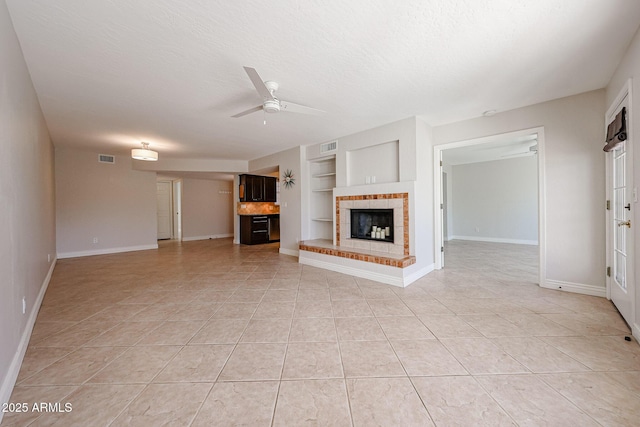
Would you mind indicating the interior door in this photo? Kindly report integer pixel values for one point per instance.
(164, 209)
(445, 223)
(177, 209)
(621, 238)
(442, 220)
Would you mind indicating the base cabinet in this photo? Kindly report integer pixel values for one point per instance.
(256, 229)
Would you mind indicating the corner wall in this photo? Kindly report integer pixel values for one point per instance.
(111, 203)
(27, 206)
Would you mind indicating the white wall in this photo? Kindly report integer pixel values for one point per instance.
(575, 188)
(630, 68)
(403, 131)
(27, 205)
(373, 164)
(496, 201)
(424, 221)
(110, 202)
(290, 198)
(206, 213)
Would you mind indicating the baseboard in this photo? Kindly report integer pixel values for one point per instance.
(495, 240)
(210, 236)
(14, 369)
(292, 252)
(635, 330)
(578, 288)
(107, 251)
(418, 274)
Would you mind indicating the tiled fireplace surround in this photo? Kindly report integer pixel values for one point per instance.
(399, 202)
(370, 250)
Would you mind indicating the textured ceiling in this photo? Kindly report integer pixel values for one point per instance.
(111, 73)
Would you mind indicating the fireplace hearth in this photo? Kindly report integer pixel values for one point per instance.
(372, 224)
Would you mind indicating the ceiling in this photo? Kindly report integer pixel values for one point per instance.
(112, 73)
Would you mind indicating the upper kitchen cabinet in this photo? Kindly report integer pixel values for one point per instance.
(256, 188)
(270, 184)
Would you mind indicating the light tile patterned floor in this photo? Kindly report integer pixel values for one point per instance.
(209, 333)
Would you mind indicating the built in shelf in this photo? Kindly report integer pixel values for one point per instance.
(323, 219)
(321, 175)
(323, 189)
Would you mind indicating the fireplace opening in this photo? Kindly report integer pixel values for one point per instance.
(372, 224)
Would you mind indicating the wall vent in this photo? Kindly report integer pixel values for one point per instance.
(106, 158)
(328, 147)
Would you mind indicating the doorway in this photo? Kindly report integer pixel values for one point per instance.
(620, 249)
(513, 144)
(168, 209)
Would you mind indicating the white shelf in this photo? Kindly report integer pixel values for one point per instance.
(323, 180)
(331, 158)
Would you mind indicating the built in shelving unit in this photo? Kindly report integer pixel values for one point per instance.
(323, 181)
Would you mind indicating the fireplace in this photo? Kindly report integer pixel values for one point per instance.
(395, 243)
(372, 224)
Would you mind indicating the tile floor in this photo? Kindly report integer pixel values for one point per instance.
(208, 333)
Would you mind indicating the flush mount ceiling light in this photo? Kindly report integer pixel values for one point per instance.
(144, 153)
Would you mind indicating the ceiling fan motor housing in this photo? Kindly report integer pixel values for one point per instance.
(271, 105)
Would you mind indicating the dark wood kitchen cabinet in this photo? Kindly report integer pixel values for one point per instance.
(254, 229)
(270, 189)
(256, 188)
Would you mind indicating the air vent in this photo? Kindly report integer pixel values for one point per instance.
(106, 158)
(328, 147)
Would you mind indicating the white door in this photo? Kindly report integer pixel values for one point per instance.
(164, 210)
(443, 222)
(177, 208)
(619, 222)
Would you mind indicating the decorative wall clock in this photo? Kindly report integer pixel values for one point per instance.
(287, 179)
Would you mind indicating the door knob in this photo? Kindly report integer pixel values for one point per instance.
(627, 223)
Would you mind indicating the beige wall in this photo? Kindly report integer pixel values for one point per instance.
(27, 212)
(206, 213)
(110, 202)
(575, 187)
(499, 197)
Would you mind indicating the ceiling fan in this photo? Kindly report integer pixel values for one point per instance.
(271, 104)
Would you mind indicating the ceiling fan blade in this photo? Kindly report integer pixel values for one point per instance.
(258, 83)
(297, 108)
(249, 111)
